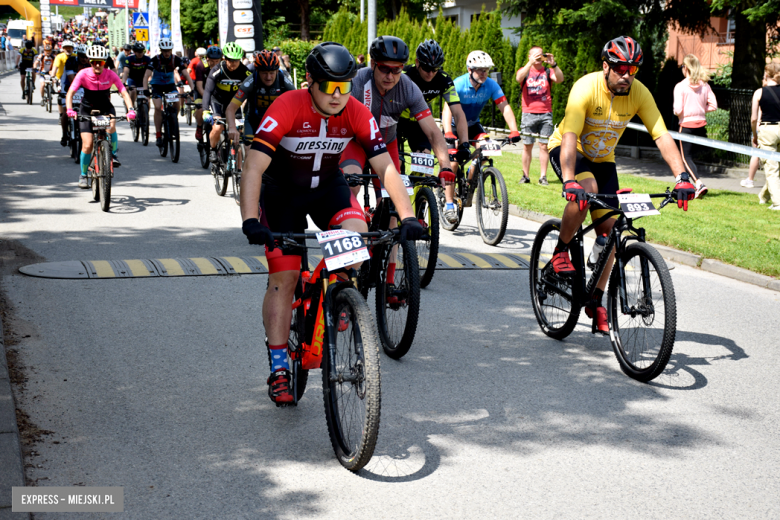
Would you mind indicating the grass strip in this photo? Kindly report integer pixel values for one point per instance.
(726, 225)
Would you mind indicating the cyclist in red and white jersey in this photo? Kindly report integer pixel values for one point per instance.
(305, 133)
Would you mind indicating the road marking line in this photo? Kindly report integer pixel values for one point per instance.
(238, 265)
(172, 266)
(137, 267)
(204, 265)
(479, 262)
(504, 260)
(447, 259)
(103, 268)
(263, 261)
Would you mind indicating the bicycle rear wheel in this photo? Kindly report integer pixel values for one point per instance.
(442, 204)
(204, 155)
(75, 142)
(427, 211)
(555, 299)
(297, 332)
(105, 177)
(220, 170)
(173, 128)
(643, 338)
(189, 115)
(351, 382)
(165, 136)
(398, 302)
(92, 174)
(492, 206)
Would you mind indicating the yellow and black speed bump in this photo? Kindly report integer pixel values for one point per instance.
(229, 265)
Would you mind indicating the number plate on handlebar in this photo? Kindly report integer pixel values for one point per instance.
(490, 148)
(422, 163)
(407, 183)
(341, 248)
(101, 121)
(637, 205)
(141, 95)
(239, 123)
(172, 97)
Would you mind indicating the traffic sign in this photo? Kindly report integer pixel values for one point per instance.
(142, 35)
(140, 21)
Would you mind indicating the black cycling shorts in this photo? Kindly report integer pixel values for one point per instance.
(159, 90)
(474, 131)
(605, 175)
(410, 131)
(217, 108)
(85, 110)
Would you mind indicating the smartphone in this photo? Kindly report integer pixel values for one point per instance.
(546, 55)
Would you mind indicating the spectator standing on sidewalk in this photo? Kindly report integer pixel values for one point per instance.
(535, 79)
(754, 161)
(767, 134)
(693, 98)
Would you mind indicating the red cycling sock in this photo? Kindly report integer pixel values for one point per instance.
(159, 135)
(391, 273)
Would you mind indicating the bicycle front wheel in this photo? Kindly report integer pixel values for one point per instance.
(48, 98)
(144, 123)
(165, 136)
(220, 173)
(189, 115)
(643, 327)
(135, 127)
(173, 128)
(105, 175)
(398, 301)
(351, 383)
(93, 174)
(555, 298)
(240, 152)
(492, 206)
(427, 211)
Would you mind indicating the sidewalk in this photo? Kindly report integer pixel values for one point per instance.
(12, 470)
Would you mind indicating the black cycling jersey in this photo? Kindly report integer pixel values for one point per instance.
(137, 68)
(442, 85)
(259, 96)
(223, 84)
(162, 69)
(28, 56)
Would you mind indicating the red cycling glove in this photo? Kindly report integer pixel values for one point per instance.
(514, 136)
(573, 192)
(684, 191)
(446, 175)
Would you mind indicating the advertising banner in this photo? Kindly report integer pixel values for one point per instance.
(176, 26)
(241, 21)
(105, 4)
(154, 28)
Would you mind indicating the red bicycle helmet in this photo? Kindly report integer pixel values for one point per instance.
(266, 61)
(623, 49)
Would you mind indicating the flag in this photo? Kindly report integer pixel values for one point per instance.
(154, 28)
(222, 13)
(176, 27)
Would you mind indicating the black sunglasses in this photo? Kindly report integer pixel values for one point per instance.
(426, 68)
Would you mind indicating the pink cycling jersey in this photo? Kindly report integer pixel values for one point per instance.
(96, 87)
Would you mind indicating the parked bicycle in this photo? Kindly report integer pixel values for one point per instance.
(393, 271)
(487, 183)
(426, 209)
(101, 167)
(641, 303)
(332, 328)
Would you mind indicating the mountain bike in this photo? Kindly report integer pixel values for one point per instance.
(29, 88)
(641, 304)
(393, 271)
(332, 328)
(189, 108)
(492, 201)
(101, 167)
(48, 92)
(426, 209)
(140, 127)
(170, 125)
(230, 156)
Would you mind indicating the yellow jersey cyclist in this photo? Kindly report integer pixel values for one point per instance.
(582, 150)
(64, 68)
(24, 61)
(305, 132)
(475, 89)
(433, 82)
(43, 63)
(221, 85)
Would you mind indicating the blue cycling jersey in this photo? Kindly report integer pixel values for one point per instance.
(162, 69)
(473, 101)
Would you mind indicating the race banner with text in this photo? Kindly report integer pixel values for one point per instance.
(154, 28)
(108, 4)
(241, 21)
(178, 46)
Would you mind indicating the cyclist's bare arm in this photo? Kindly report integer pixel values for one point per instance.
(461, 123)
(252, 181)
(125, 73)
(383, 165)
(147, 75)
(670, 153)
(568, 155)
(435, 137)
(199, 88)
(230, 114)
(446, 118)
(509, 115)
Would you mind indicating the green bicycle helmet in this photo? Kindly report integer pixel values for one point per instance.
(233, 51)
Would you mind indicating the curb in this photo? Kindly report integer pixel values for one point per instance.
(11, 461)
(681, 257)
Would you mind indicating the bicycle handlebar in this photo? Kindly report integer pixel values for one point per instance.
(291, 239)
(597, 199)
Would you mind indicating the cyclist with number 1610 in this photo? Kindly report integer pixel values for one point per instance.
(582, 152)
(305, 132)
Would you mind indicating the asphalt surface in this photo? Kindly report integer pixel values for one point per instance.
(158, 385)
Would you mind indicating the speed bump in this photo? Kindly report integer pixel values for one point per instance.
(233, 265)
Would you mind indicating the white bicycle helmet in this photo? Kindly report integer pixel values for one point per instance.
(67, 43)
(97, 52)
(479, 60)
(166, 44)
(81, 49)
(200, 51)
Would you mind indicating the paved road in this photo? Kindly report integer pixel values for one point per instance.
(158, 385)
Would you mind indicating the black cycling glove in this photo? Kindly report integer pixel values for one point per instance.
(258, 234)
(463, 153)
(411, 229)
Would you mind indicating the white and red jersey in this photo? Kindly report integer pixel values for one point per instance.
(306, 147)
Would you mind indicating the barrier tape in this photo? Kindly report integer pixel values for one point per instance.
(711, 143)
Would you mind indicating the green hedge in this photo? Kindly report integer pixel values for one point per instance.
(298, 50)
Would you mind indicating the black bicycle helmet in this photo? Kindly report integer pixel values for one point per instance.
(429, 53)
(29, 44)
(139, 47)
(214, 53)
(623, 49)
(330, 61)
(389, 48)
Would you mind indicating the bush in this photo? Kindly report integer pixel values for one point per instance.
(298, 51)
(718, 129)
